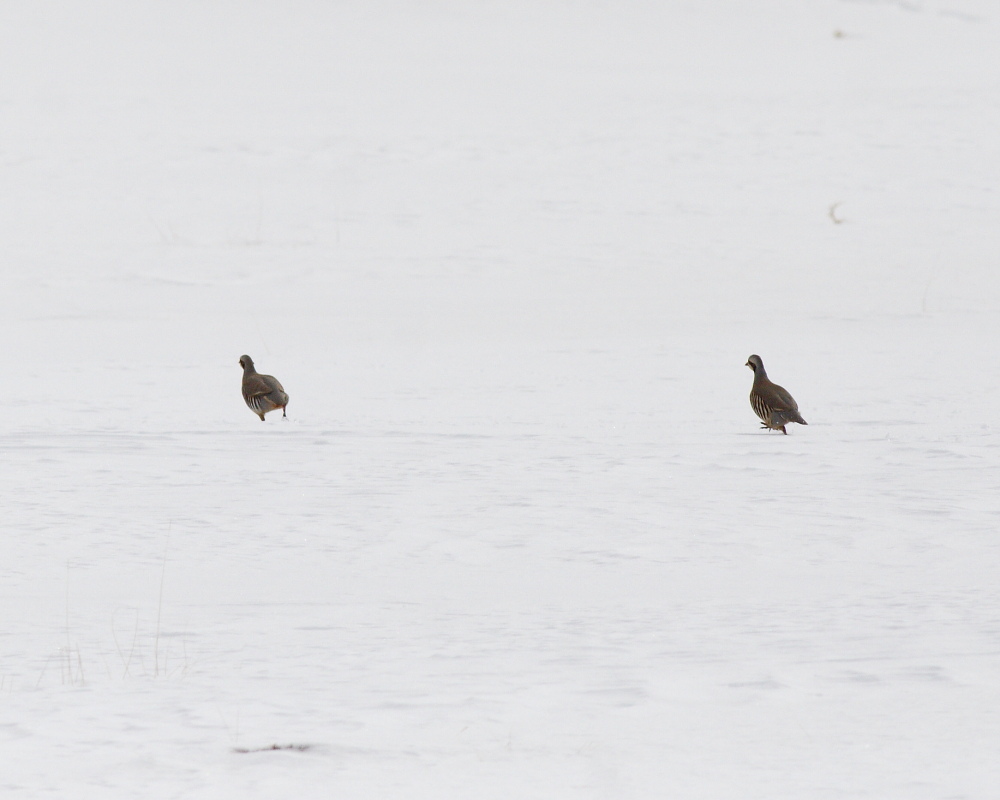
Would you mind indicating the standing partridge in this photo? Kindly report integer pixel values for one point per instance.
(262, 393)
(770, 402)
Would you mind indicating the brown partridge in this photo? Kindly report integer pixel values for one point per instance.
(775, 406)
(262, 393)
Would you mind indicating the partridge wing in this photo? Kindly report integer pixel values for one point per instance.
(783, 401)
(273, 382)
(257, 385)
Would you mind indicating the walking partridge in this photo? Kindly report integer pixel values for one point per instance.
(262, 393)
(770, 402)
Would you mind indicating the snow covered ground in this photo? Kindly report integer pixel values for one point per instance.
(521, 536)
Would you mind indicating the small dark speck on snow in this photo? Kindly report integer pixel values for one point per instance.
(299, 748)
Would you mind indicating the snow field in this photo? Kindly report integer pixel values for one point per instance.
(521, 536)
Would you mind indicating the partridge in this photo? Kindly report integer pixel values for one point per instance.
(262, 393)
(770, 402)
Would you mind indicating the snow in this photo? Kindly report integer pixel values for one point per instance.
(521, 536)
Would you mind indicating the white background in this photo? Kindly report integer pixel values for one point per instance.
(522, 536)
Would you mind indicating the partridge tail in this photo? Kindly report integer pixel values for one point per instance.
(784, 417)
